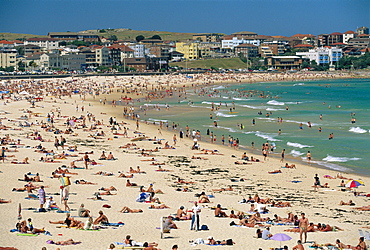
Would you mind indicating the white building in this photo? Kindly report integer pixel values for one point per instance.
(48, 43)
(232, 43)
(139, 50)
(348, 35)
(323, 55)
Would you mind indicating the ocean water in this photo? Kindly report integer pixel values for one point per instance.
(338, 101)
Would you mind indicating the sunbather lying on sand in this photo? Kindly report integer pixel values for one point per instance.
(111, 188)
(122, 175)
(162, 206)
(230, 188)
(83, 182)
(363, 208)
(126, 209)
(349, 203)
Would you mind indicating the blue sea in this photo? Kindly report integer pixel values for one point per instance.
(337, 101)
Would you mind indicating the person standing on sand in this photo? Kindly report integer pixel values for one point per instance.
(282, 155)
(86, 160)
(316, 184)
(309, 157)
(303, 224)
(195, 217)
(42, 198)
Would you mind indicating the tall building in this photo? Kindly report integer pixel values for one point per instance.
(323, 55)
(363, 30)
(8, 57)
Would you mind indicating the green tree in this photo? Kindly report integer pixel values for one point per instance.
(21, 66)
(157, 37)
(113, 37)
(102, 31)
(139, 38)
(9, 69)
(20, 50)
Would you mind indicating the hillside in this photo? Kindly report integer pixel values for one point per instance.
(132, 34)
(225, 63)
(17, 36)
(120, 33)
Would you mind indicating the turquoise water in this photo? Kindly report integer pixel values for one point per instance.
(337, 100)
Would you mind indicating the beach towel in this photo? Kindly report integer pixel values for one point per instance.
(27, 234)
(142, 197)
(114, 224)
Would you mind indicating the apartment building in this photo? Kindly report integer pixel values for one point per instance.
(160, 51)
(247, 50)
(8, 57)
(323, 55)
(96, 56)
(359, 43)
(47, 43)
(71, 36)
(329, 39)
(348, 35)
(189, 49)
(235, 41)
(362, 30)
(209, 37)
(284, 62)
(139, 50)
(6, 44)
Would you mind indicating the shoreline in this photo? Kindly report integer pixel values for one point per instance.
(256, 151)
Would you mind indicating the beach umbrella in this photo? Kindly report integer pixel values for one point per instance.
(280, 237)
(354, 183)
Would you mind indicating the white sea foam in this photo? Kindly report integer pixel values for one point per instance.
(330, 158)
(274, 102)
(239, 99)
(196, 106)
(357, 130)
(226, 128)
(252, 107)
(154, 104)
(298, 84)
(224, 115)
(219, 87)
(331, 166)
(293, 103)
(157, 120)
(207, 103)
(272, 109)
(267, 119)
(296, 153)
(298, 145)
(266, 136)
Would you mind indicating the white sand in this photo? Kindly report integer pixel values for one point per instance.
(320, 207)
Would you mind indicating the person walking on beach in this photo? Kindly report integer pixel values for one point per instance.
(42, 198)
(86, 160)
(282, 155)
(316, 184)
(303, 224)
(196, 209)
(309, 157)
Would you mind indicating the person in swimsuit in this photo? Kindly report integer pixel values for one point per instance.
(303, 224)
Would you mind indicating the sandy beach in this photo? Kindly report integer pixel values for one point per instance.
(213, 171)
